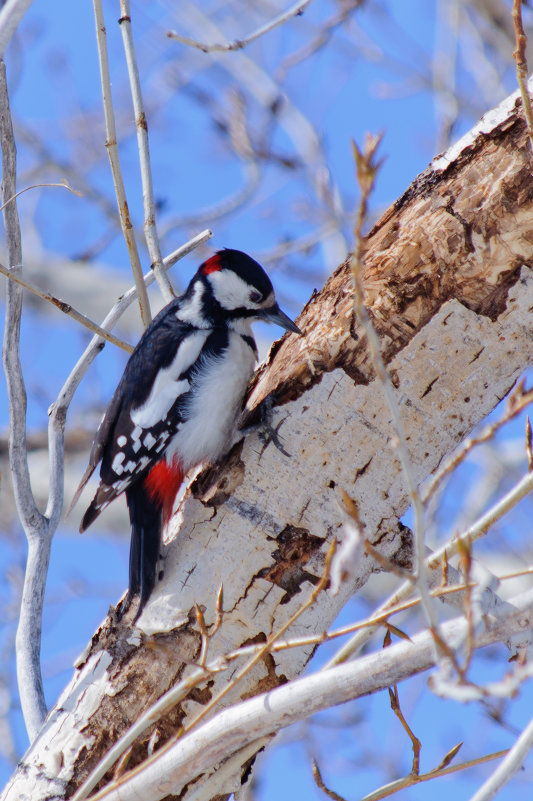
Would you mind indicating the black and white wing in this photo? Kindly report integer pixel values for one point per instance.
(145, 410)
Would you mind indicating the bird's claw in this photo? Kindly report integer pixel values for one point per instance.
(268, 435)
(265, 431)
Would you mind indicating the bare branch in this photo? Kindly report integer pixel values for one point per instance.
(10, 16)
(411, 779)
(69, 310)
(238, 44)
(317, 776)
(28, 641)
(112, 150)
(61, 185)
(141, 124)
(521, 66)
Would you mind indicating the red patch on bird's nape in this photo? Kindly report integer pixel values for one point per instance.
(162, 483)
(212, 265)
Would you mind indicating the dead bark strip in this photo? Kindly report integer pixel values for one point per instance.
(449, 285)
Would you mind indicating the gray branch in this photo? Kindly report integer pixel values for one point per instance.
(38, 532)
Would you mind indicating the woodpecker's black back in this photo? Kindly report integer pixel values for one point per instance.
(177, 402)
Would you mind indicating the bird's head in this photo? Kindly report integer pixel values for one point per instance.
(233, 287)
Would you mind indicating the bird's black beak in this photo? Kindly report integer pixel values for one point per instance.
(275, 315)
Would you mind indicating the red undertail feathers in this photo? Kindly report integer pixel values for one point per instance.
(163, 482)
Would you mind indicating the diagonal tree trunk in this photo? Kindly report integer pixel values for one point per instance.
(449, 286)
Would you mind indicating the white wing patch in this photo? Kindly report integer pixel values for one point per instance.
(135, 435)
(117, 466)
(149, 441)
(167, 386)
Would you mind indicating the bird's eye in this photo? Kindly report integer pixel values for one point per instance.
(255, 297)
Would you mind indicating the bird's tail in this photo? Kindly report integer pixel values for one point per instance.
(146, 524)
(150, 505)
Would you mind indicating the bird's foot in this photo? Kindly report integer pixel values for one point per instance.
(266, 432)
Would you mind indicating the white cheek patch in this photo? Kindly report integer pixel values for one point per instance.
(167, 386)
(191, 312)
(231, 291)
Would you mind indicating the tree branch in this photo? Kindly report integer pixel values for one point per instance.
(141, 124)
(28, 641)
(294, 11)
(10, 16)
(112, 150)
(69, 310)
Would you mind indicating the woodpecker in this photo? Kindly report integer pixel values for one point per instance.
(178, 401)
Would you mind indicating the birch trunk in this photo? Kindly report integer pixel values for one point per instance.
(449, 287)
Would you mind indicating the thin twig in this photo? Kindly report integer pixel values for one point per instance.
(529, 445)
(367, 169)
(294, 11)
(61, 185)
(141, 124)
(38, 533)
(69, 310)
(415, 742)
(319, 781)
(519, 56)
(411, 779)
(10, 16)
(112, 151)
(465, 563)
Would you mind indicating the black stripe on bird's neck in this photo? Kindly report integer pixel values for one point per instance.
(251, 342)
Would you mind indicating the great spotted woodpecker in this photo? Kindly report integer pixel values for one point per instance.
(178, 401)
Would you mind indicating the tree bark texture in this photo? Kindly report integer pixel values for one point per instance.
(449, 286)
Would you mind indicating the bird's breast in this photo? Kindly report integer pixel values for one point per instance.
(213, 404)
